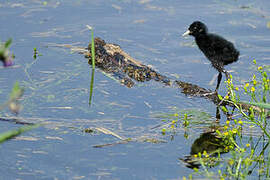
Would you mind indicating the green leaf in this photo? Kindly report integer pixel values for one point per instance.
(224, 109)
(8, 43)
(93, 63)
(220, 97)
(261, 105)
(16, 92)
(13, 133)
(93, 49)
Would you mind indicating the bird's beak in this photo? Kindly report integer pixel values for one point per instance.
(186, 33)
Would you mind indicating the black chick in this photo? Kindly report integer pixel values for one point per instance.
(217, 49)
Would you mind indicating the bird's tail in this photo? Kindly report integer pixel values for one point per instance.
(236, 55)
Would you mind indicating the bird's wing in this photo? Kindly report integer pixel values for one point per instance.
(221, 48)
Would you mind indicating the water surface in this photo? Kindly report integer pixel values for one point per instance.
(57, 83)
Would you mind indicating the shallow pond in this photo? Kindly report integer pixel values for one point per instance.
(57, 83)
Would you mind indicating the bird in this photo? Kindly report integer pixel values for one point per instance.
(218, 50)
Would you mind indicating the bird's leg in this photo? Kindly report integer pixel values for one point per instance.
(218, 83)
(218, 80)
(227, 74)
(217, 114)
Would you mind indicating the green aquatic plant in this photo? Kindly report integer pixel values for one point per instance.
(13, 101)
(258, 89)
(92, 46)
(5, 56)
(93, 63)
(13, 133)
(15, 107)
(186, 118)
(249, 153)
(36, 53)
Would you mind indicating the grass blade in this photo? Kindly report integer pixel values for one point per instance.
(91, 87)
(107, 131)
(260, 104)
(13, 133)
(93, 63)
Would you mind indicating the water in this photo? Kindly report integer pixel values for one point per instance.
(57, 83)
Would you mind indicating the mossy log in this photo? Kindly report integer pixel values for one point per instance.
(111, 59)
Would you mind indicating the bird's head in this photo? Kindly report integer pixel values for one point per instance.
(196, 29)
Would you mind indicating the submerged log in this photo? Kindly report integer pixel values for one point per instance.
(111, 59)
